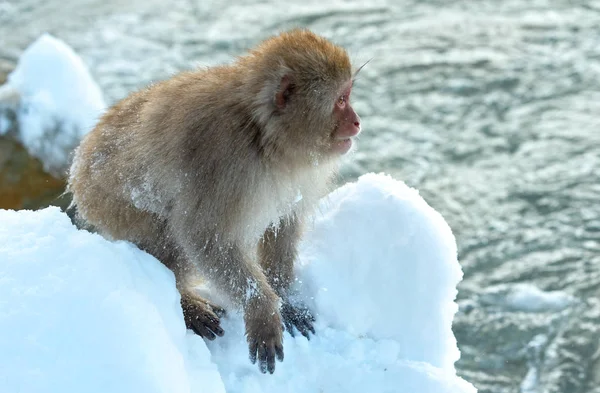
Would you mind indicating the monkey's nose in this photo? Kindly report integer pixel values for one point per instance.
(356, 121)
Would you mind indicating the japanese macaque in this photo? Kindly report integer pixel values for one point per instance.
(213, 172)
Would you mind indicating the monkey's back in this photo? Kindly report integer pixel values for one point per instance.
(107, 167)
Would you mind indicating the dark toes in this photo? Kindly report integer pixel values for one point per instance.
(213, 323)
(262, 358)
(304, 331)
(219, 311)
(271, 364)
(271, 359)
(299, 318)
(266, 355)
(253, 349)
(220, 332)
(207, 326)
(289, 327)
(201, 330)
(201, 318)
(279, 352)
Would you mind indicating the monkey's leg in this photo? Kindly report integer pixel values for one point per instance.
(244, 281)
(277, 253)
(200, 315)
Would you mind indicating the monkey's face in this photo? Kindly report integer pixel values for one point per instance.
(327, 128)
(347, 122)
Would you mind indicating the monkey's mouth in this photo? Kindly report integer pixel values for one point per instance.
(341, 145)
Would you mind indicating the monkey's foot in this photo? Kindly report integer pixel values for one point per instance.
(202, 316)
(299, 317)
(264, 333)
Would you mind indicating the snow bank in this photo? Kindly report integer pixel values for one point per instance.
(382, 264)
(59, 102)
(81, 314)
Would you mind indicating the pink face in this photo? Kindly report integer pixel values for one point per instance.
(347, 121)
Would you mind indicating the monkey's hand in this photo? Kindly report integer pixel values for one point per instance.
(202, 316)
(297, 316)
(264, 333)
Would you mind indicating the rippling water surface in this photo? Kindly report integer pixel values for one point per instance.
(491, 108)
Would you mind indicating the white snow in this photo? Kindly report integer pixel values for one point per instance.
(81, 314)
(59, 101)
(382, 264)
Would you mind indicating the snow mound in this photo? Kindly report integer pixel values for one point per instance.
(58, 101)
(383, 264)
(81, 314)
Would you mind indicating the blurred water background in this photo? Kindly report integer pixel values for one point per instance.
(490, 108)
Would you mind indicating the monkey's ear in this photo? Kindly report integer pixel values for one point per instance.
(285, 91)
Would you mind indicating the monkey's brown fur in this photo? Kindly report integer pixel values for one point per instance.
(199, 169)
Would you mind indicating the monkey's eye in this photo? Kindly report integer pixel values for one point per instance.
(341, 100)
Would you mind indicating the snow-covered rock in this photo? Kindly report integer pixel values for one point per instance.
(81, 314)
(55, 99)
(383, 264)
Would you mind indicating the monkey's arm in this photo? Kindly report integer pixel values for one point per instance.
(277, 253)
(226, 266)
